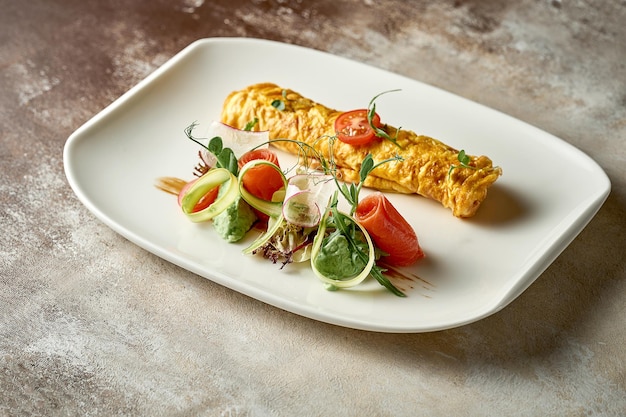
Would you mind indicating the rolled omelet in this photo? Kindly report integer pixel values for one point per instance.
(425, 165)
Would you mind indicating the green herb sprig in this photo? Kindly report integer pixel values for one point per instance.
(371, 111)
(464, 162)
(351, 192)
(280, 104)
(348, 229)
(250, 125)
(225, 156)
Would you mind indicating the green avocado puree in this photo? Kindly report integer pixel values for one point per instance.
(335, 260)
(233, 223)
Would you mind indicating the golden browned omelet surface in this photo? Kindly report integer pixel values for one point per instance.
(424, 170)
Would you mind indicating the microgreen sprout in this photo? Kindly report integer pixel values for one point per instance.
(371, 111)
(464, 162)
(250, 125)
(351, 192)
(280, 104)
(225, 156)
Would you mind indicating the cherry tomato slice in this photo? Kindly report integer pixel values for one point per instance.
(353, 128)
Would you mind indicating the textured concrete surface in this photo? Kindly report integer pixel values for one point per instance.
(92, 325)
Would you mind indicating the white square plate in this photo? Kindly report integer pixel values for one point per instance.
(549, 190)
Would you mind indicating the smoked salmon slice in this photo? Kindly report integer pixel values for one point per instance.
(262, 181)
(389, 230)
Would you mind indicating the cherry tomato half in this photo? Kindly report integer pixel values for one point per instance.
(352, 127)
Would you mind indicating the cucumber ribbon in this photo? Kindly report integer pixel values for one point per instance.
(271, 208)
(213, 178)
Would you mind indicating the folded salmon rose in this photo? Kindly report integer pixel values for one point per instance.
(389, 230)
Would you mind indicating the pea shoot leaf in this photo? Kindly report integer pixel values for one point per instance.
(371, 112)
(464, 162)
(215, 146)
(250, 125)
(225, 156)
(278, 105)
(366, 167)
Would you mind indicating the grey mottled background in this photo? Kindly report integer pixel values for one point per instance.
(92, 325)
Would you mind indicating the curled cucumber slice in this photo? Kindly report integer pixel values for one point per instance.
(273, 225)
(271, 208)
(213, 178)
